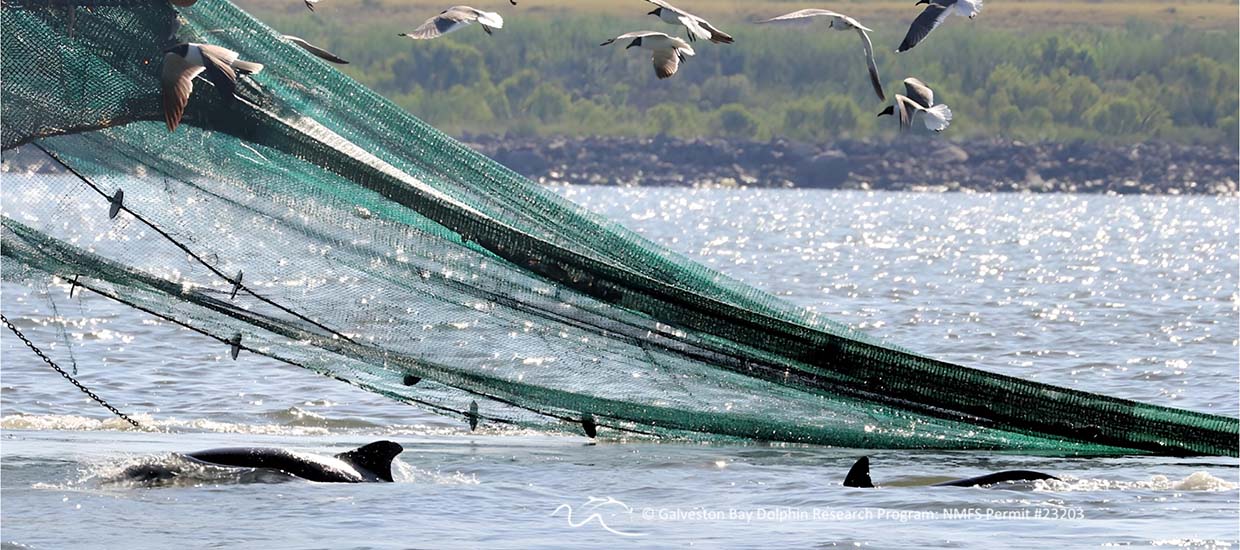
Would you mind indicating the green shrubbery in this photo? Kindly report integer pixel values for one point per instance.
(548, 76)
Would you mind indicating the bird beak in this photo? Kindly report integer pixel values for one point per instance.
(655, 12)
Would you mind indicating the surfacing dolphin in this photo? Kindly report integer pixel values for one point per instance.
(371, 462)
(859, 476)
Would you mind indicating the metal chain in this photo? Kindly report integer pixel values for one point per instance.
(79, 385)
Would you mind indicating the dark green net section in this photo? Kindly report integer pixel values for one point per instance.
(374, 249)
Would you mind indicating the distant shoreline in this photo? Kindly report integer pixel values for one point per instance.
(919, 164)
(914, 164)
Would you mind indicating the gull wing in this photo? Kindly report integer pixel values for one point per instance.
(930, 19)
(448, 21)
(801, 15)
(855, 24)
(635, 34)
(217, 62)
(666, 6)
(919, 92)
(716, 35)
(222, 54)
(908, 109)
(176, 81)
(869, 61)
(666, 61)
(695, 29)
(320, 52)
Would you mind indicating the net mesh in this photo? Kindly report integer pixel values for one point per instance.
(376, 250)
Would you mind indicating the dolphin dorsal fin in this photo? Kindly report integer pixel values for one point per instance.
(859, 475)
(376, 457)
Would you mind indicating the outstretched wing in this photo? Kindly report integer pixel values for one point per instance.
(320, 52)
(869, 61)
(176, 83)
(919, 92)
(930, 19)
(803, 15)
(635, 34)
(664, 5)
(444, 23)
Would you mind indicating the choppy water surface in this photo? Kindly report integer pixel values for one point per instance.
(1130, 296)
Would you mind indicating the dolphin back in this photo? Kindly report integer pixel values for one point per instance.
(859, 476)
(997, 477)
(371, 462)
(375, 458)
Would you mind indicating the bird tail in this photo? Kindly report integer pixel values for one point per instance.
(937, 118)
(247, 67)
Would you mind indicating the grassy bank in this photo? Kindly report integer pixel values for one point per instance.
(1027, 70)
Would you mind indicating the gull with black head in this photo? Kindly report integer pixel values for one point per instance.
(920, 99)
(696, 26)
(934, 15)
(667, 52)
(187, 60)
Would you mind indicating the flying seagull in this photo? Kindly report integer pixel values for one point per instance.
(184, 61)
(320, 52)
(669, 51)
(455, 18)
(696, 26)
(934, 15)
(920, 99)
(844, 23)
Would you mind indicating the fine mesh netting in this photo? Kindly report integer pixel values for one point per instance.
(376, 250)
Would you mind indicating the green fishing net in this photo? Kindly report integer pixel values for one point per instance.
(365, 245)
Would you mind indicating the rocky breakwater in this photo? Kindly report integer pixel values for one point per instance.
(913, 164)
